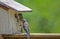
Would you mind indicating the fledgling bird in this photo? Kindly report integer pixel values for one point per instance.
(25, 25)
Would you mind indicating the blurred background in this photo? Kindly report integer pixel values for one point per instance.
(45, 15)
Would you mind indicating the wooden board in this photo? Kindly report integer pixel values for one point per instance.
(7, 22)
(35, 36)
(15, 5)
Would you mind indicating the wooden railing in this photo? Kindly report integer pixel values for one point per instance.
(34, 36)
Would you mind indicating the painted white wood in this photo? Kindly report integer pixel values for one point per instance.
(7, 23)
(7, 0)
(15, 5)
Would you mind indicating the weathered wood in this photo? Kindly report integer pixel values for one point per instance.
(15, 5)
(3, 7)
(34, 36)
(7, 16)
(7, 22)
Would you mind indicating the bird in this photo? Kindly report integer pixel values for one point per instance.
(25, 24)
(26, 28)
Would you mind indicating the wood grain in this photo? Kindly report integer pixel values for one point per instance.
(34, 36)
(15, 5)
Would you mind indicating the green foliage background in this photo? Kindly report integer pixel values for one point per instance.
(45, 15)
